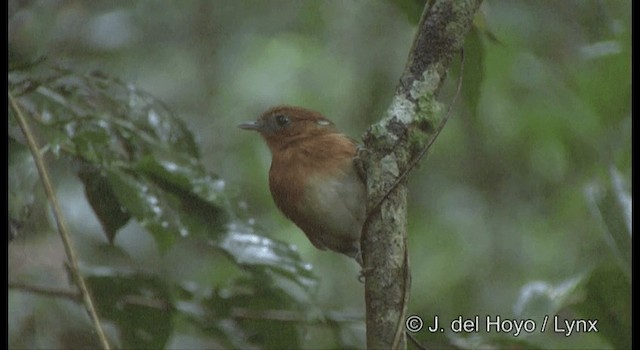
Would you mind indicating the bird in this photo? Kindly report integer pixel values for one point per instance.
(312, 179)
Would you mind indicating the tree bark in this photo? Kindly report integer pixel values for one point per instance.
(391, 145)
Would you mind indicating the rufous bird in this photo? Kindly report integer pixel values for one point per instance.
(313, 180)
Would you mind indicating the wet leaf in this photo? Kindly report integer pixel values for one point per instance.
(140, 305)
(148, 205)
(184, 173)
(137, 160)
(258, 252)
(103, 201)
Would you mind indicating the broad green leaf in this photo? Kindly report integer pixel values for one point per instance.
(75, 103)
(140, 305)
(103, 200)
(264, 311)
(538, 299)
(603, 294)
(259, 253)
(167, 212)
(136, 159)
(184, 173)
(112, 127)
(610, 205)
(91, 144)
(212, 316)
(608, 300)
(149, 206)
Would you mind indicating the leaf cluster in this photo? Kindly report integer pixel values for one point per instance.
(137, 161)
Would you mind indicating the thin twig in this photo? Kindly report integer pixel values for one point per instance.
(329, 318)
(415, 341)
(54, 292)
(60, 222)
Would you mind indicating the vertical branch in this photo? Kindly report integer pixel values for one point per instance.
(409, 126)
(60, 222)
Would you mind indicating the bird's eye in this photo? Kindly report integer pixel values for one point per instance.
(282, 120)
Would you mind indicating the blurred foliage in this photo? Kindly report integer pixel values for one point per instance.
(522, 210)
(23, 177)
(136, 159)
(138, 304)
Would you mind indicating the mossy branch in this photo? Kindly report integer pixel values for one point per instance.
(392, 146)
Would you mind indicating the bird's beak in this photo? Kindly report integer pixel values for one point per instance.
(250, 126)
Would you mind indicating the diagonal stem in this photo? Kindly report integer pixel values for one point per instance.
(60, 221)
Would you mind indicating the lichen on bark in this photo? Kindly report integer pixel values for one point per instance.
(393, 146)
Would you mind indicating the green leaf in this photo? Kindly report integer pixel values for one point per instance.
(115, 130)
(140, 305)
(138, 160)
(165, 211)
(212, 316)
(608, 300)
(610, 205)
(92, 144)
(250, 304)
(411, 8)
(603, 294)
(156, 120)
(135, 122)
(183, 173)
(272, 299)
(103, 200)
(149, 206)
(259, 253)
(474, 67)
(538, 299)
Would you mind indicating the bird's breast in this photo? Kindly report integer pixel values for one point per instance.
(337, 202)
(321, 192)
